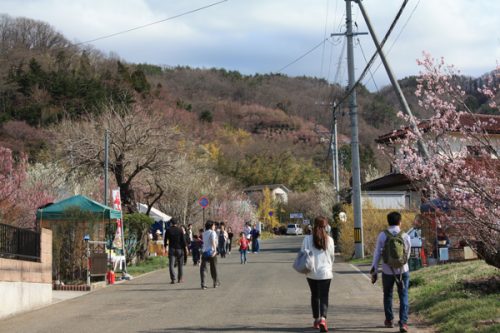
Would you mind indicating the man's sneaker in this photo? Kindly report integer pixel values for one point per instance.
(316, 323)
(388, 324)
(172, 282)
(403, 328)
(204, 287)
(216, 284)
(322, 325)
(180, 281)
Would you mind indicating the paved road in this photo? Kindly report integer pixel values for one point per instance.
(265, 295)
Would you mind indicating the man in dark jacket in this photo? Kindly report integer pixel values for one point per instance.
(176, 244)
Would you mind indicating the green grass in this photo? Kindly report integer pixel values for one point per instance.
(365, 260)
(437, 294)
(151, 264)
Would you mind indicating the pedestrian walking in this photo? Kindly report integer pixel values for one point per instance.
(223, 238)
(209, 254)
(176, 243)
(322, 248)
(195, 247)
(230, 236)
(243, 244)
(394, 247)
(187, 241)
(255, 234)
(247, 230)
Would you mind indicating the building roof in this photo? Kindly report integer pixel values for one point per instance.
(467, 119)
(258, 188)
(387, 181)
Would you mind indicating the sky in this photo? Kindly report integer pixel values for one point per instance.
(266, 36)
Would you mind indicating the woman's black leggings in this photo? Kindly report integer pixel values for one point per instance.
(319, 296)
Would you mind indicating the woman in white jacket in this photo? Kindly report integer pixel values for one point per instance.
(319, 279)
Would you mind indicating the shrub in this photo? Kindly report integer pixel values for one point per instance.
(374, 221)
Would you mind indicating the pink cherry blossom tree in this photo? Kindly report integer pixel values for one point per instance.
(19, 198)
(463, 167)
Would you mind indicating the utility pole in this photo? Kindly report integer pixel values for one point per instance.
(355, 168)
(399, 93)
(335, 154)
(106, 163)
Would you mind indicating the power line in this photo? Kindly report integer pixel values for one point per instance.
(399, 34)
(152, 23)
(364, 57)
(302, 56)
(374, 56)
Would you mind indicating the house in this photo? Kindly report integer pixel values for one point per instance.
(452, 143)
(279, 192)
(392, 191)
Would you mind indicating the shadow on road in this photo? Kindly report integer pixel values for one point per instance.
(232, 329)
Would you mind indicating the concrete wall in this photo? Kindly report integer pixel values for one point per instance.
(384, 200)
(26, 285)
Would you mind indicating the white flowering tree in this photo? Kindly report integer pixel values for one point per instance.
(463, 166)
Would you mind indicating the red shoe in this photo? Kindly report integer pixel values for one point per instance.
(322, 325)
(388, 324)
(316, 324)
(403, 328)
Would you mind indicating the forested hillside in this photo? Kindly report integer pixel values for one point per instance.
(267, 128)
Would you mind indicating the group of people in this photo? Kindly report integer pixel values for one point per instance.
(393, 246)
(212, 241)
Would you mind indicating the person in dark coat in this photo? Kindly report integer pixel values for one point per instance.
(176, 244)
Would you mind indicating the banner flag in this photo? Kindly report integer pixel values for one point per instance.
(117, 204)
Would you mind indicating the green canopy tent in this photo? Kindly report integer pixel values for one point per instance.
(74, 210)
(63, 210)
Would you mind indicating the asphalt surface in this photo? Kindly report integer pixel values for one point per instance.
(265, 295)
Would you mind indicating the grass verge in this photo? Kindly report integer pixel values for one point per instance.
(449, 298)
(151, 264)
(363, 261)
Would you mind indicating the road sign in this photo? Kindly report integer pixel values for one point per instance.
(203, 201)
(306, 222)
(271, 213)
(296, 215)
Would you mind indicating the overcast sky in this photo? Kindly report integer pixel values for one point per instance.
(262, 36)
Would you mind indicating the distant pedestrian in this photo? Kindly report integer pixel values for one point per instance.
(394, 246)
(247, 230)
(209, 254)
(323, 249)
(230, 236)
(176, 243)
(243, 244)
(195, 247)
(223, 238)
(255, 234)
(187, 241)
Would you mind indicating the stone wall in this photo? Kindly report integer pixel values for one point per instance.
(26, 285)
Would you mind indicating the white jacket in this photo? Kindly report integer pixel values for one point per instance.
(323, 260)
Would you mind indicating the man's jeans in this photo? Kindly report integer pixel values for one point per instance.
(175, 256)
(388, 282)
(243, 256)
(255, 245)
(213, 269)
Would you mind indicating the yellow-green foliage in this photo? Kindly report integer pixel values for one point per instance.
(374, 221)
(266, 206)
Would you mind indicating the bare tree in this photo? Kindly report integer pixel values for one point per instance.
(142, 146)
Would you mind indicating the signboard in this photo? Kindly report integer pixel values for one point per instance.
(203, 201)
(296, 215)
(117, 204)
(306, 222)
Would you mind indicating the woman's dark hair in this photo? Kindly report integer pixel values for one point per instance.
(320, 237)
(394, 218)
(209, 224)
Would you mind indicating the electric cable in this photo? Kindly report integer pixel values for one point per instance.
(399, 34)
(152, 23)
(375, 54)
(302, 56)
(364, 57)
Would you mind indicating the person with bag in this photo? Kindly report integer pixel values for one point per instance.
(223, 237)
(319, 251)
(394, 247)
(209, 254)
